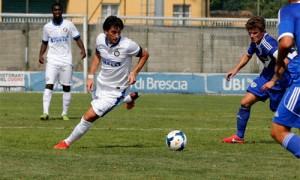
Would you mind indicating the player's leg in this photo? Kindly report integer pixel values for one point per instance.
(81, 128)
(66, 102)
(243, 114)
(130, 99)
(65, 78)
(100, 107)
(286, 117)
(50, 77)
(288, 140)
(242, 118)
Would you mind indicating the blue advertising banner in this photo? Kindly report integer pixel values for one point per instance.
(36, 82)
(199, 83)
(192, 83)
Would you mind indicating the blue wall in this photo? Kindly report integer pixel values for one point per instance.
(162, 83)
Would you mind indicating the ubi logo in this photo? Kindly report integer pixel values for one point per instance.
(237, 84)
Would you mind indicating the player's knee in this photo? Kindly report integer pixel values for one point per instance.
(66, 88)
(273, 134)
(245, 106)
(49, 86)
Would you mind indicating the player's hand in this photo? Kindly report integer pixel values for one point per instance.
(83, 54)
(90, 85)
(41, 60)
(268, 85)
(230, 74)
(132, 78)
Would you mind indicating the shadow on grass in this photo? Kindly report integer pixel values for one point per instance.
(117, 146)
(261, 142)
(59, 118)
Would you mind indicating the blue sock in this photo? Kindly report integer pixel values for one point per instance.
(242, 118)
(292, 143)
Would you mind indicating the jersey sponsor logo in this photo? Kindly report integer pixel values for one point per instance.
(111, 63)
(59, 39)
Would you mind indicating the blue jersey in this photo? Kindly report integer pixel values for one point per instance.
(289, 25)
(288, 111)
(266, 51)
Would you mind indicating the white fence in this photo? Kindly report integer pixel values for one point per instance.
(192, 45)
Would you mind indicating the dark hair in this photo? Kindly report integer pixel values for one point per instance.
(56, 4)
(256, 22)
(112, 21)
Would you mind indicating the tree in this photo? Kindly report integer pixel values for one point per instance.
(265, 8)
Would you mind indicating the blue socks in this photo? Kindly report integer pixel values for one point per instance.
(242, 119)
(292, 143)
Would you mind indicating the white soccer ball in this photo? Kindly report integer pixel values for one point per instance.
(176, 140)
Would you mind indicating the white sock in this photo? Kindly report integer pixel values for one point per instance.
(46, 100)
(66, 102)
(82, 127)
(127, 99)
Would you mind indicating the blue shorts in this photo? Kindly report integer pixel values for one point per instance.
(274, 94)
(288, 112)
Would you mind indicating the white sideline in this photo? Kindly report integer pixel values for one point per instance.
(127, 129)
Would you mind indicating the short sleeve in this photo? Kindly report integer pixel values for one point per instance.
(271, 46)
(133, 48)
(285, 23)
(75, 33)
(251, 49)
(45, 37)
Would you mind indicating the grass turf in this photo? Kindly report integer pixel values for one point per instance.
(131, 144)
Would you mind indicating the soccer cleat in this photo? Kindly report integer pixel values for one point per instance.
(61, 145)
(44, 116)
(134, 96)
(65, 117)
(234, 139)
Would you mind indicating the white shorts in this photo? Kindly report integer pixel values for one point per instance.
(62, 73)
(106, 98)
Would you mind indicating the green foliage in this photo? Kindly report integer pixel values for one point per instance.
(131, 144)
(265, 8)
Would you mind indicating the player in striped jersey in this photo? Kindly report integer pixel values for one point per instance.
(265, 48)
(287, 115)
(115, 54)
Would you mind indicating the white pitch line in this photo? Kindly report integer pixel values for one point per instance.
(128, 129)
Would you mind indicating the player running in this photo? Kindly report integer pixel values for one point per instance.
(115, 54)
(287, 115)
(265, 48)
(57, 35)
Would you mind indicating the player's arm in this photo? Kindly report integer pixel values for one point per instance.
(43, 49)
(285, 44)
(81, 46)
(243, 61)
(143, 57)
(93, 68)
(280, 70)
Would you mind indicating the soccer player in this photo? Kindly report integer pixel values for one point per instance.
(115, 53)
(57, 35)
(287, 115)
(265, 48)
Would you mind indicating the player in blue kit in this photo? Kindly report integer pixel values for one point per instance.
(287, 115)
(265, 48)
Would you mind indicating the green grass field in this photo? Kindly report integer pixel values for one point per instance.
(131, 144)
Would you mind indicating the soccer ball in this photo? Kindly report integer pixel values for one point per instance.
(176, 140)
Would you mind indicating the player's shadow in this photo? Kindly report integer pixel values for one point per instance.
(261, 142)
(117, 146)
(59, 118)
